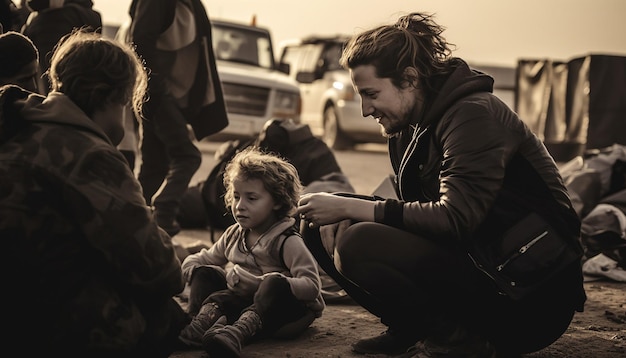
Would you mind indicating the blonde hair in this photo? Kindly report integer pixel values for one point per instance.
(94, 71)
(280, 178)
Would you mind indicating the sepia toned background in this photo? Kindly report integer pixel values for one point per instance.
(488, 32)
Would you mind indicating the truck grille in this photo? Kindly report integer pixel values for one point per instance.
(246, 100)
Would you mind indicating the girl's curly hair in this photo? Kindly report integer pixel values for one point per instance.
(280, 178)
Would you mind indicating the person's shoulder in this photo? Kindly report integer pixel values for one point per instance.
(291, 237)
(475, 106)
(292, 231)
(232, 232)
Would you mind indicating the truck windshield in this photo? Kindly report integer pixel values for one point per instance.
(244, 46)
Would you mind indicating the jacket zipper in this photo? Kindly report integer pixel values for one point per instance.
(481, 268)
(406, 155)
(521, 251)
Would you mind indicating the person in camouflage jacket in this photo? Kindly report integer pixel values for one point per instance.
(89, 271)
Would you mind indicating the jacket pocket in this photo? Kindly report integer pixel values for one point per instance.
(526, 256)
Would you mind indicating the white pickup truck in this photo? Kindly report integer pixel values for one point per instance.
(255, 88)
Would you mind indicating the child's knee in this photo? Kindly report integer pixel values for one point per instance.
(276, 304)
(208, 274)
(272, 290)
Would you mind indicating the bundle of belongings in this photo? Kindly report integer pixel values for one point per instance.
(203, 204)
(597, 185)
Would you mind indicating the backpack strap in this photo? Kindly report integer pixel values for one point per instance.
(289, 232)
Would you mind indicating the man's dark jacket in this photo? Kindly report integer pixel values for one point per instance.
(467, 149)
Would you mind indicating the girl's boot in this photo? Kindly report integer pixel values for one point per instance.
(192, 334)
(227, 340)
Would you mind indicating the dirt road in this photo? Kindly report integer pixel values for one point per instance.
(599, 332)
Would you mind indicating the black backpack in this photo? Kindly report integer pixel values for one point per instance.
(203, 204)
(212, 189)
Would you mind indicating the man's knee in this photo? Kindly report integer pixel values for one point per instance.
(353, 237)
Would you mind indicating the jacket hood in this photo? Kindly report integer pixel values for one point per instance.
(87, 13)
(279, 227)
(20, 108)
(461, 82)
(86, 3)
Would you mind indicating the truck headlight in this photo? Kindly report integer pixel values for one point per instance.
(287, 105)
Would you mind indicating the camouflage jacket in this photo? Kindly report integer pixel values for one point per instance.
(82, 250)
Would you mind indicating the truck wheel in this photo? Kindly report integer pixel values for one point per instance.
(333, 136)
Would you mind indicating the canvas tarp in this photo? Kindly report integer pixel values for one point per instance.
(575, 105)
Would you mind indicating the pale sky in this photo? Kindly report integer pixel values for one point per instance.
(485, 32)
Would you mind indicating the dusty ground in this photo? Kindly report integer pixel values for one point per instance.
(598, 332)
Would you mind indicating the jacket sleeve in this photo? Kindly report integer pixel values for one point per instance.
(150, 18)
(305, 281)
(213, 256)
(117, 222)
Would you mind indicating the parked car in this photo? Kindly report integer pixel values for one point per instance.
(255, 88)
(330, 106)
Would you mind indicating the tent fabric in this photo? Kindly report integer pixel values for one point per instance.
(575, 105)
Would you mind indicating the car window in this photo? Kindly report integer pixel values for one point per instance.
(290, 55)
(302, 58)
(312, 59)
(242, 46)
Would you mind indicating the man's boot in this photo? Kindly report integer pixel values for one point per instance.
(459, 343)
(390, 342)
(227, 340)
(192, 334)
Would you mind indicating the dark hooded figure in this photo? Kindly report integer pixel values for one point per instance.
(51, 20)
